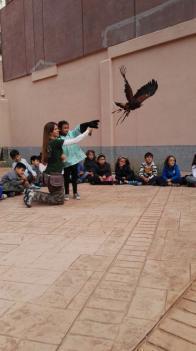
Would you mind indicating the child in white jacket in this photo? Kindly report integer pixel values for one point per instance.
(191, 179)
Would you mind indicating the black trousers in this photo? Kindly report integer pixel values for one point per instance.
(72, 172)
(152, 181)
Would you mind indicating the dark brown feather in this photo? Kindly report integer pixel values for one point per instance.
(128, 91)
(146, 91)
(119, 104)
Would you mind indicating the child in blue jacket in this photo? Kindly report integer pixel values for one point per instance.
(73, 154)
(171, 173)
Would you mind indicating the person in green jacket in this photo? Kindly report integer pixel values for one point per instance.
(73, 154)
(52, 155)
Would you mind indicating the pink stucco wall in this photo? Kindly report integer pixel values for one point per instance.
(169, 117)
(85, 88)
(5, 137)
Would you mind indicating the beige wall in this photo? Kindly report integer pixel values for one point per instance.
(85, 89)
(73, 95)
(169, 117)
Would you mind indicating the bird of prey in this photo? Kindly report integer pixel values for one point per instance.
(134, 101)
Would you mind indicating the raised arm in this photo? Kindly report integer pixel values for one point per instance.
(77, 139)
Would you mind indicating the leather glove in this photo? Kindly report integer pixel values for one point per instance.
(92, 124)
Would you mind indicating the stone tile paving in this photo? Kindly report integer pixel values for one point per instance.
(177, 330)
(95, 274)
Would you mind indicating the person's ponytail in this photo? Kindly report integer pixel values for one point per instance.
(48, 129)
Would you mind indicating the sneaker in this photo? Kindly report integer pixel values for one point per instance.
(66, 197)
(28, 197)
(3, 197)
(76, 196)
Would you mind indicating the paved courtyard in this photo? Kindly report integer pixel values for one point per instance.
(96, 274)
(177, 329)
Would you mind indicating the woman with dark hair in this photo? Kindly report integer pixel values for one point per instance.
(123, 172)
(191, 179)
(52, 155)
(171, 173)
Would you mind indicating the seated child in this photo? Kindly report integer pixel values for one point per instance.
(102, 172)
(16, 157)
(15, 181)
(148, 170)
(90, 164)
(35, 163)
(42, 167)
(90, 161)
(124, 174)
(191, 179)
(82, 174)
(171, 173)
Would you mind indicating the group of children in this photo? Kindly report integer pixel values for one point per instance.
(23, 175)
(96, 170)
(80, 167)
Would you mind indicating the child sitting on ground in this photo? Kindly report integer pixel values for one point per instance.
(42, 166)
(82, 175)
(191, 179)
(171, 173)
(124, 174)
(90, 161)
(16, 157)
(35, 163)
(89, 165)
(102, 174)
(15, 181)
(148, 170)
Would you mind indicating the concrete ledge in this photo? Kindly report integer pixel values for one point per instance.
(44, 73)
(162, 36)
(183, 153)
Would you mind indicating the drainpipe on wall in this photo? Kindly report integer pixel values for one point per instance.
(5, 132)
(106, 100)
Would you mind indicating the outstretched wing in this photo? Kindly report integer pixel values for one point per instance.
(119, 104)
(146, 91)
(128, 91)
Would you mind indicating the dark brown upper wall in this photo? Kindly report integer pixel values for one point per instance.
(13, 40)
(39, 32)
(106, 23)
(29, 35)
(63, 39)
(154, 15)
